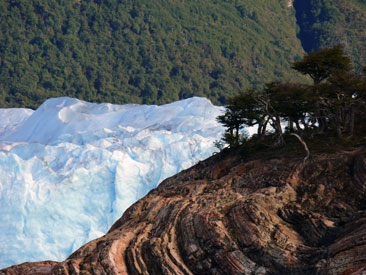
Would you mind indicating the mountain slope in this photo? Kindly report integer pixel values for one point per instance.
(158, 51)
(142, 51)
(324, 23)
(228, 215)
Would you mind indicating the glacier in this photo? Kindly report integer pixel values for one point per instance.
(69, 169)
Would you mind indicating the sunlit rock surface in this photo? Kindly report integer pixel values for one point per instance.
(238, 214)
(228, 215)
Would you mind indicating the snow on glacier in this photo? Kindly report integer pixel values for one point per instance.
(69, 169)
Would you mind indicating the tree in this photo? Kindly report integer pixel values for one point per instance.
(334, 103)
(324, 63)
(233, 121)
(293, 102)
(267, 104)
(243, 110)
(320, 66)
(250, 112)
(343, 100)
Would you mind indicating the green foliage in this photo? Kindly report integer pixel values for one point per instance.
(325, 23)
(160, 51)
(292, 100)
(233, 120)
(332, 106)
(142, 51)
(324, 63)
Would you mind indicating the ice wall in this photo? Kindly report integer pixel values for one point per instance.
(69, 169)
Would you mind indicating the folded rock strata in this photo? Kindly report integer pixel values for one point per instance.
(230, 216)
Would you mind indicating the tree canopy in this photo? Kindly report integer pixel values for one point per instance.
(339, 101)
(324, 63)
(141, 51)
(160, 51)
(325, 23)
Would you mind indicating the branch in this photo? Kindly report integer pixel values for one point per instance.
(304, 144)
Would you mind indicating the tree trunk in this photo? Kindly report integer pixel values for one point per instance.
(298, 126)
(259, 130)
(278, 129)
(264, 128)
(352, 121)
(306, 126)
(339, 131)
(291, 125)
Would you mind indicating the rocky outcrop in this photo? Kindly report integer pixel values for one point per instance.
(34, 268)
(230, 216)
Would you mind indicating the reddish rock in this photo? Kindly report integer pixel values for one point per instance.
(230, 216)
(35, 268)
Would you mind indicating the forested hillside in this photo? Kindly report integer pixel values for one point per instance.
(324, 23)
(142, 51)
(160, 51)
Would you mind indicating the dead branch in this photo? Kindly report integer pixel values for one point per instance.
(304, 144)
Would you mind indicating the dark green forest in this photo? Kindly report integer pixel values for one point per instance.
(157, 51)
(325, 23)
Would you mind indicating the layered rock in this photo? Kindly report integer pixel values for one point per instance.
(228, 215)
(34, 268)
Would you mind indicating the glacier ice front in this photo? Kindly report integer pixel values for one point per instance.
(69, 169)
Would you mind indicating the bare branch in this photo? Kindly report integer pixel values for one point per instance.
(304, 144)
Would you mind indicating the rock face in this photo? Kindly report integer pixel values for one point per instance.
(34, 268)
(230, 216)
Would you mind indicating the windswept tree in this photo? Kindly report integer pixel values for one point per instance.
(294, 103)
(324, 63)
(343, 100)
(320, 66)
(252, 109)
(241, 110)
(333, 103)
(251, 114)
(266, 100)
(233, 120)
